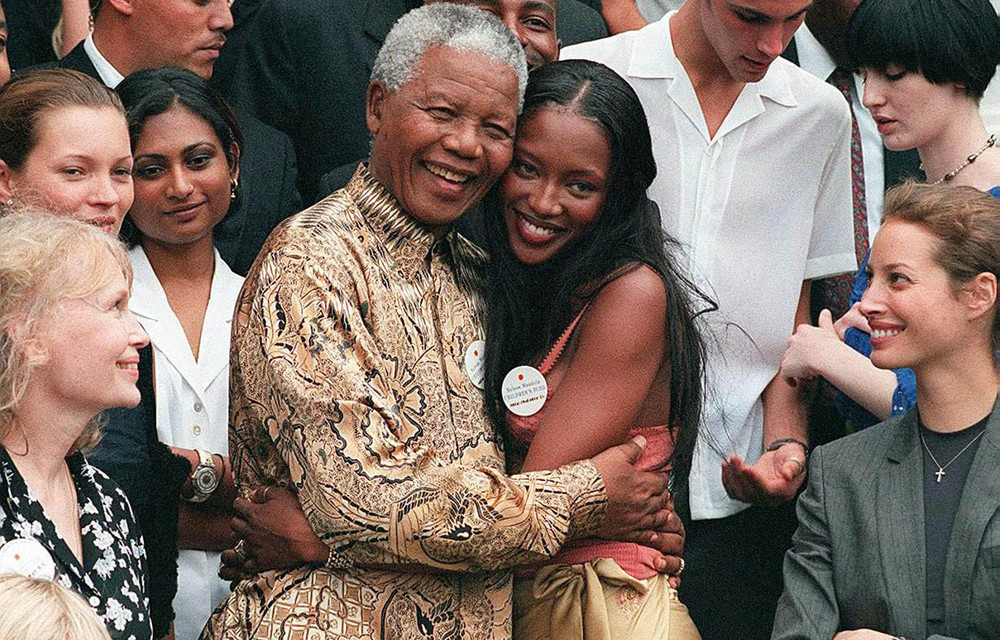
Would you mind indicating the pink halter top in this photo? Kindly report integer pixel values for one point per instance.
(635, 559)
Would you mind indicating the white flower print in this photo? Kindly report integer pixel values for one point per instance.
(117, 614)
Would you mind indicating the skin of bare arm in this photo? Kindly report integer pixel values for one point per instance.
(619, 355)
(820, 351)
(776, 475)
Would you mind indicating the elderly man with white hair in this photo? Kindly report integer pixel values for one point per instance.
(355, 384)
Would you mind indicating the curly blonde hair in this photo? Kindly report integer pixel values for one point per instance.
(45, 259)
(44, 610)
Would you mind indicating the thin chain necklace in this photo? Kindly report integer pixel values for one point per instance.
(940, 472)
(954, 172)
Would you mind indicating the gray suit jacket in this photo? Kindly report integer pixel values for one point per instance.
(857, 559)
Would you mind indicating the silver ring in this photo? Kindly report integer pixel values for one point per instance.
(266, 489)
(681, 570)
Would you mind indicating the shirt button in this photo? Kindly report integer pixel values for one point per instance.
(198, 407)
(95, 601)
(197, 429)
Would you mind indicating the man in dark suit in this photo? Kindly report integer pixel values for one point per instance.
(130, 35)
(302, 66)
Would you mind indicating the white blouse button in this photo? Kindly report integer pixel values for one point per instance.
(198, 407)
(197, 429)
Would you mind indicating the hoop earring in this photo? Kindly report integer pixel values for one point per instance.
(234, 184)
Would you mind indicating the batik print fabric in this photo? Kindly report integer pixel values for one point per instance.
(349, 386)
(112, 576)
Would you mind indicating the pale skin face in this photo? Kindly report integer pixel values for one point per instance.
(910, 111)
(92, 347)
(443, 138)
(747, 35)
(182, 179)
(81, 166)
(917, 315)
(557, 183)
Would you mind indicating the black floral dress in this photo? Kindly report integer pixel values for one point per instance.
(112, 579)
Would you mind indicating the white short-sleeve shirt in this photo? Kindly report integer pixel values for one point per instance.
(192, 410)
(759, 208)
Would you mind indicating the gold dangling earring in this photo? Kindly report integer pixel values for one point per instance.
(233, 186)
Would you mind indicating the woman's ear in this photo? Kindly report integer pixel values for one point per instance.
(23, 336)
(981, 295)
(234, 166)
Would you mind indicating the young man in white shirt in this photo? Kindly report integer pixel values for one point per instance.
(754, 180)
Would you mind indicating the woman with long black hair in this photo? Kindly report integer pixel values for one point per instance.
(584, 286)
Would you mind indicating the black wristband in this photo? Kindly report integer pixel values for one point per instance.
(777, 444)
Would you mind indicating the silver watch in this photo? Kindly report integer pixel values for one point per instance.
(204, 479)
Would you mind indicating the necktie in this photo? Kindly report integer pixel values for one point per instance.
(834, 293)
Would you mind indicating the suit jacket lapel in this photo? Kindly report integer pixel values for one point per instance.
(901, 529)
(980, 501)
(78, 60)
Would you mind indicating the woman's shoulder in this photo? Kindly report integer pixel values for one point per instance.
(637, 286)
(630, 306)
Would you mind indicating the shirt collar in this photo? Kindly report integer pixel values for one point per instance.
(409, 240)
(109, 75)
(653, 57)
(813, 57)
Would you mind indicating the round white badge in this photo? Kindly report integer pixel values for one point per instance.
(475, 364)
(524, 390)
(27, 557)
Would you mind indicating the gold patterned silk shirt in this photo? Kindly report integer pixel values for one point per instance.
(349, 386)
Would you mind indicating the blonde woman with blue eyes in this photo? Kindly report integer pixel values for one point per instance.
(926, 65)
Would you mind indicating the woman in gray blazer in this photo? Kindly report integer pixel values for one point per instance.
(899, 526)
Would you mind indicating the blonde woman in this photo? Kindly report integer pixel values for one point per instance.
(44, 610)
(68, 351)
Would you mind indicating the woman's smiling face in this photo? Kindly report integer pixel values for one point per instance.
(557, 183)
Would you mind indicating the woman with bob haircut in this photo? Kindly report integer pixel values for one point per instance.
(68, 351)
(64, 147)
(44, 610)
(584, 286)
(899, 524)
(926, 65)
(186, 148)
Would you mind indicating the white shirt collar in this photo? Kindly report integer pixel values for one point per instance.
(813, 57)
(109, 75)
(653, 57)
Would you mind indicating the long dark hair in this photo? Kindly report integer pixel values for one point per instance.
(527, 307)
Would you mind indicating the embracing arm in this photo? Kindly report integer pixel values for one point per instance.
(309, 372)
(620, 350)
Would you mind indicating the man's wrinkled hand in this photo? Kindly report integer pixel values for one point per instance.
(639, 508)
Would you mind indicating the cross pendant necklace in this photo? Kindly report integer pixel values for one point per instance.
(940, 472)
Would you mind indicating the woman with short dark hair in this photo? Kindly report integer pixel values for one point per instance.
(926, 65)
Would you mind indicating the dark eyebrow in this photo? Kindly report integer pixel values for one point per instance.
(540, 5)
(757, 15)
(184, 151)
